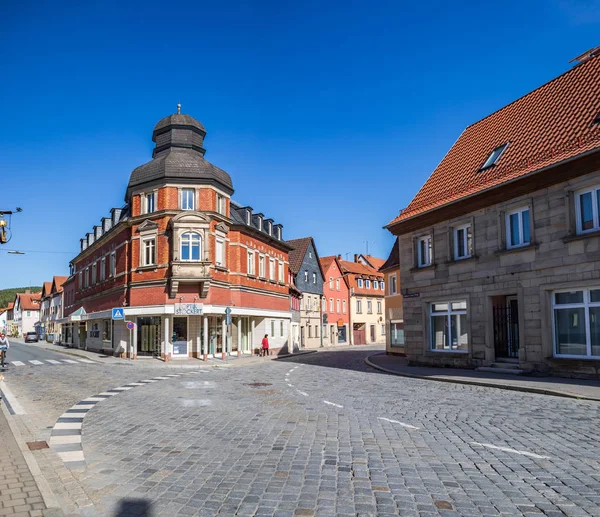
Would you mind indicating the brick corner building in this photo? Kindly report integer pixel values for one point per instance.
(198, 274)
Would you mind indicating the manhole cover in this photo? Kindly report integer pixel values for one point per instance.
(259, 384)
(36, 446)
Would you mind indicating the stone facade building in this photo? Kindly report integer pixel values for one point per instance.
(499, 250)
(308, 279)
(197, 274)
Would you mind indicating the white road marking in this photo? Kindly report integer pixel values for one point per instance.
(93, 399)
(62, 440)
(302, 393)
(73, 415)
(17, 363)
(85, 361)
(53, 361)
(12, 400)
(71, 456)
(408, 426)
(69, 425)
(195, 402)
(36, 362)
(69, 361)
(332, 404)
(290, 385)
(290, 371)
(515, 451)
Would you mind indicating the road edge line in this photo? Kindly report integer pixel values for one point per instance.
(48, 496)
(525, 389)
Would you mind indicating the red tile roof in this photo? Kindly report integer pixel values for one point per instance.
(374, 261)
(297, 254)
(47, 287)
(549, 125)
(30, 302)
(11, 305)
(393, 261)
(354, 270)
(326, 262)
(57, 283)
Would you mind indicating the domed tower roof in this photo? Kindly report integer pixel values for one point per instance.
(178, 156)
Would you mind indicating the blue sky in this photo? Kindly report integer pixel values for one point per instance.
(329, 116)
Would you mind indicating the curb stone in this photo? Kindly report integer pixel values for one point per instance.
(526, 389)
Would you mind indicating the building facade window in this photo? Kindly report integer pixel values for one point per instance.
(587, 210)
(106, 330)
(314, 278)
(397, 334)
(187, 199)
(87, 277)
(272, 328)
(449, 329)
(280, 270)
(220, 252)
(379, 308)
(149, 252)
(383, 330)
(337, 306)
(344, 306)
(359, 282)
(149, 202)
(358, 306)
(272, 270)
(281, 328)
(102, 269)
(80, 280)
(306, 276)
(337, 284)
(191, 246)
(251, 265)
(382, 285)
(330, 282)
(220, 204)
(309, 331)
(94, 273)
(424, 251)
(463, 242)
(113, 263)
(330, 304)
(375, 284)
(369, 307)
(367, 284)
(392, 284)
(261, 266)
(576, 322)
(517, 228)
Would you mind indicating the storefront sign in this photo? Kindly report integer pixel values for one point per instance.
(188, 309)
(340, 322)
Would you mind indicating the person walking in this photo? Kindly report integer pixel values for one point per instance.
(4, 346)
(265, 345)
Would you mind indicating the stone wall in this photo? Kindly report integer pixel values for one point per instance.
(556, 259)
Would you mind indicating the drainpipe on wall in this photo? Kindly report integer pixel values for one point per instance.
(350, 328)
(321, 318)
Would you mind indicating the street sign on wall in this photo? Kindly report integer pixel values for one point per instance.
(118, 313)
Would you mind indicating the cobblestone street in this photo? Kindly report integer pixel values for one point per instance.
(320, 434)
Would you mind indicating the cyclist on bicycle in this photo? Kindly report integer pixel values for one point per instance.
(4, 346)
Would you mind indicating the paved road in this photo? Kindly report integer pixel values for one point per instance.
(323, 435)
(20, 354)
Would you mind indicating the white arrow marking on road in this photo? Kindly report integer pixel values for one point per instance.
(36, 362)
(507, 449)
(408, 426)
(52, 361)
(332, 404)
(17, 363)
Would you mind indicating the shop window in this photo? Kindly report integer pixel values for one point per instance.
(449, 328)
(576, 316)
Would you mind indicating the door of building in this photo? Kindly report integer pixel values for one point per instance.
(148, 336)
(373, 334)
(332, 334)
(360, 334)
(506, 329)
(180, 337)
(301, 337)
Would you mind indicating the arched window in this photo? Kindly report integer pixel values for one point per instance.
(191, 246)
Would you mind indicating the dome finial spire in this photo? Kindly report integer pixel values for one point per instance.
(178, 108)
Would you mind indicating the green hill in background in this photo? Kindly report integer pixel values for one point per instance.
(8, 295)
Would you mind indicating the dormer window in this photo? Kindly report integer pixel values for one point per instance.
(494, 157)
(248, 217)
(149, 202)
(220, 204)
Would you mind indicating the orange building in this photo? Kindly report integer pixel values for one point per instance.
(335, 302)
(197, 274)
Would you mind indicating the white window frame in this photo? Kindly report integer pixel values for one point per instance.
(595, 192)
(466, 228)
(280, 271)
(449, 313)
(375, 285)
(190, 241)
(330, 282)
(314, 278)
(272, 270)
(379, 307)
(586, 305)
(113, 264)
(367, 284)
(94, 272)
(251, 263)
(424, 261)
(337, 305)
(146, 197)
(306, 276)
(369, 307)
(520, 211)
(337, 284)
(220, 204)
(80, 280)
(220, 252)
(382, 285)
(359, 282)
(145, 246)
(330, 304)
(493, 160)
(185, 199)
(87, 277)
(102, 269)
(343, 306)
(262, 266)
(358, 306)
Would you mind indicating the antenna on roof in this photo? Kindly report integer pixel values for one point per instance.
(588, 54)
(178, 108)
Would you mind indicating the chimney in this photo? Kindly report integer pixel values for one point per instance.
(106, 224)
(27, 291)
(339, 257)
(97, 232)
(587, 55)
(356, 257)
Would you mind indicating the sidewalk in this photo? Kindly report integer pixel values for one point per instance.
(572, 388)
(19, 492)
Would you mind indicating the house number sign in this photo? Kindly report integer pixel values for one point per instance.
(188, 309)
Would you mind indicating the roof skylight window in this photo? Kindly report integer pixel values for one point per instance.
(597, 119)
(494, 156)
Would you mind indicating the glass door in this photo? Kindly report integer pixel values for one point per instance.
(180, 337)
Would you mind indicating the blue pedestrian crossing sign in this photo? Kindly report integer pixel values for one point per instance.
(118, 314)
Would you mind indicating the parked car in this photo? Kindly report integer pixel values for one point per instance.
(31, 337)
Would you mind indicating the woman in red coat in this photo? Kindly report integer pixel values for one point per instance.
(265, 345)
